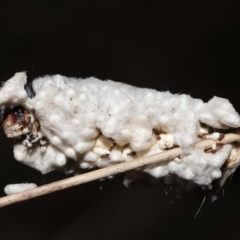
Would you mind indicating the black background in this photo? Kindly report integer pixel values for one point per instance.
(184, 46)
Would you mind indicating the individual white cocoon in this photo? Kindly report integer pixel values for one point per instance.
(19, 187)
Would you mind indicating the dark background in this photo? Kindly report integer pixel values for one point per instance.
(184, 46)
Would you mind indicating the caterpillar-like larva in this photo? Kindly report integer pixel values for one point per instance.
(100, 123)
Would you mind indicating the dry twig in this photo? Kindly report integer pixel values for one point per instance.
(108, 171)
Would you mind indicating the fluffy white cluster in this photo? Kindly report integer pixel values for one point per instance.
(99, 123)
